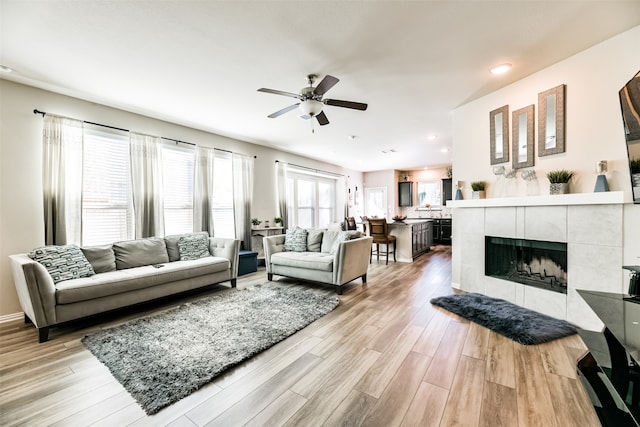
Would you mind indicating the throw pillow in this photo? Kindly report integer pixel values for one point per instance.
(314, 240)
(328, 237)
(63, 262)
(342, 236)
(193, 247)
(295, 240)
(101, 258)
(172, 243)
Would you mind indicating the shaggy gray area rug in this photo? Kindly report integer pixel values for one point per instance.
(517, 323)
(164, 357)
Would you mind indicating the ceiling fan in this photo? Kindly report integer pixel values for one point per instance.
(311, 102)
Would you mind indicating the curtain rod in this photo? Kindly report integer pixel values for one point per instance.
(36, 111)
(313, 170)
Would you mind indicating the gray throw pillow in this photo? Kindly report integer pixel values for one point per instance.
(101, 258)
(139, 252)
(314, 240)
(296, 240)
(193, 247)
(63, 262)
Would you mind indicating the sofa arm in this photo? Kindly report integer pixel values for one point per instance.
(272, 245)
(352, 260)
(226, 248)
(36, 290)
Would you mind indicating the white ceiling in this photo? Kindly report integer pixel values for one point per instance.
(199, 63)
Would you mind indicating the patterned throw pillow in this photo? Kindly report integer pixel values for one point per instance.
(193, 247)
(296, 240)
(63, 262)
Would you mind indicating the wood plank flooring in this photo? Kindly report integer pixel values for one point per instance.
(384, 357)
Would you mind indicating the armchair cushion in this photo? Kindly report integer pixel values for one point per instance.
(314, 240)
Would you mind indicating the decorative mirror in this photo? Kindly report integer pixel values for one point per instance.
(499, 139)
(522, 137)
(551, 121)
(630, 103)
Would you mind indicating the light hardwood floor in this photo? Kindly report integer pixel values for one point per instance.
(384, 357)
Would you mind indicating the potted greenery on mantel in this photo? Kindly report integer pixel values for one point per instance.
(559, 181)
(478, 188)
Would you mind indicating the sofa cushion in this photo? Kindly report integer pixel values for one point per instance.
(193, 247)
(102, 258)
(120, 281)
(172, 243)
(314, 240)
(296, 240)
(328, 239)
(341, 237)
(63, 262)
(139, 252)
(307, 260)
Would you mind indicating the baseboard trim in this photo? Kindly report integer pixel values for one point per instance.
(11, 317)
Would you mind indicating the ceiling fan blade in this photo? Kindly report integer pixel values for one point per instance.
(281, 112)
(346, 104)
(322, 118)
(279, 92)
(327, 83)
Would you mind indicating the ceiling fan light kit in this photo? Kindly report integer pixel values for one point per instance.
(311, 102)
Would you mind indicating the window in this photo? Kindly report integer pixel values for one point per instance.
(311, 200)
(107, 208)
(429, 192)
(178, 175)
(375, 202)
(222, 205)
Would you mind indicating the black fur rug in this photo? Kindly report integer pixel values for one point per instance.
(517, 323)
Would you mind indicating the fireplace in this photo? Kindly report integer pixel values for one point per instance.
(535, 263)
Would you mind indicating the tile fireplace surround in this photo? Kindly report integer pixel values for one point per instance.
(590, 223)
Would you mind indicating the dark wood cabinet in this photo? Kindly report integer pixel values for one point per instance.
(442, 231)
(405, 194)
(447, 190)
(421, 238)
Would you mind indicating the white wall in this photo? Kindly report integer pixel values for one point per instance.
(594, 129)
(21, 213)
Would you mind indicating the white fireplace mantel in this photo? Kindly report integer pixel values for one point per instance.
(602, 198)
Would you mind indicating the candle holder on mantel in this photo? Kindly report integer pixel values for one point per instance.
(601, 180)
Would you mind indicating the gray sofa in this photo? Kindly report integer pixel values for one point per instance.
(121, 274)
(330, 257)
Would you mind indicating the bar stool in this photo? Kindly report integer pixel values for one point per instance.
(379, 230)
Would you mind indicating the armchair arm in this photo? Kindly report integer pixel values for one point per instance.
(36, 290)
(226, 248)
(272, 245)
(352, 260)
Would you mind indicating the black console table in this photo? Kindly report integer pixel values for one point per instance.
(610, 371)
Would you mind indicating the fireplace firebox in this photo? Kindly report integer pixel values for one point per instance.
(529, 262)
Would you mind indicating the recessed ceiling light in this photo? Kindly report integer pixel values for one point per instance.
(5, 69)
(501, 69)
(431, 137)
(425, 168)
(444, 150)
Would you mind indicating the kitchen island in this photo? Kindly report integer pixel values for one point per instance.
(413, 238)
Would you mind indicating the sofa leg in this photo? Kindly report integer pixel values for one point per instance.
(234, 282)
(364, 278)
(339, 290)
(43, 334)
(270, 277)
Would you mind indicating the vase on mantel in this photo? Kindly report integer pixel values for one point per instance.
(559, 188)
(478, 195)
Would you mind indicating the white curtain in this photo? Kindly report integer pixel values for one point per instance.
(281, 193)
(243, 195)
(203, 191)
(62, 180)
(146, 182)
